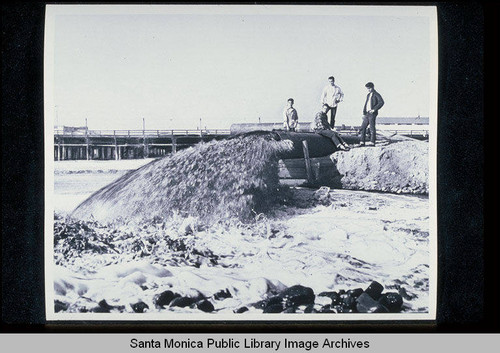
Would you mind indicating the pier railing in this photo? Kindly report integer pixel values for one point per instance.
(140, 133)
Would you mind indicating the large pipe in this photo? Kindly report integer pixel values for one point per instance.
(319, 146)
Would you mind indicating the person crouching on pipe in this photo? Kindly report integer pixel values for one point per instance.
(320, 126)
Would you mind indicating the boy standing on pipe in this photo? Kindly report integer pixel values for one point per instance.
(321, 126)
(290, 116)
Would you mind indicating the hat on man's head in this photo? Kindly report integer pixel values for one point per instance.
(369, 85)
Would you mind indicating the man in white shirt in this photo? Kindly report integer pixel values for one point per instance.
(290, 116)
(331, 96)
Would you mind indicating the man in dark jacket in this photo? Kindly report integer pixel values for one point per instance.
(373, 103)
(320, 126)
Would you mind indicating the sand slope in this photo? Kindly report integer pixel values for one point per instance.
(401, 167)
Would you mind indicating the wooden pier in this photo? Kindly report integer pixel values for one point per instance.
(74, 143)
(81, 143)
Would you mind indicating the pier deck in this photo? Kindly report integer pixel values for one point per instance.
(127, 144)
(81, 143)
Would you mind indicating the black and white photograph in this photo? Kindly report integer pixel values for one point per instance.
(240, 162)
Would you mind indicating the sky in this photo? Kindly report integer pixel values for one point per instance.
(174, 69)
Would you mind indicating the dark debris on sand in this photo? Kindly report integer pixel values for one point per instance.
(75, 238)
(298, 298)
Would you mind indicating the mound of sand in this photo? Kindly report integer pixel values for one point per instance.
(401, 167)
(233, 178)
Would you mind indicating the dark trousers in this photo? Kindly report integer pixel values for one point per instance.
(368, 119)
(337, 140)
(333, 112)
